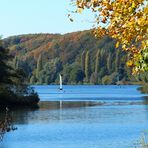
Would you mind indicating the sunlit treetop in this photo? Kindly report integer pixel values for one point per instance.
(127, 22)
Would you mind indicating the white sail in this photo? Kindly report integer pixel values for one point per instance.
(60, 82)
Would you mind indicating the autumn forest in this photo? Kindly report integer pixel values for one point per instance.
(78, 56)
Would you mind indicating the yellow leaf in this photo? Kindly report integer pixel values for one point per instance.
(129, 63)
(79, 10)
(117, 44)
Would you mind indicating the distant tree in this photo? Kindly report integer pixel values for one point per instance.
(117, 61)
(15, 63)
(83, 60)
(106, 80)
(109, 63)
(58, 65)
(103, 57)
(33, 79)
(87, 66)
(66, 73)
(39, 66)
(121, 72)
(97, 64)
(102, 72)
(76, 74)
(94, 78)
(50, 71)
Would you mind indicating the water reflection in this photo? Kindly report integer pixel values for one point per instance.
(6, 124)
(47, 111)
(54, 105)
(77, 124)
(145, 101)
(56, 111)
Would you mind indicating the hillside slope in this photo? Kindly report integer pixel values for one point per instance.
(79, 56)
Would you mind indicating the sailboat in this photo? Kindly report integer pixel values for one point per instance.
(60, 76)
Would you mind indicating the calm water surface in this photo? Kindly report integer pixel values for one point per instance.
(80, 117)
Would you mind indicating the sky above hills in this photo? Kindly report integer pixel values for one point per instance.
(40, 16)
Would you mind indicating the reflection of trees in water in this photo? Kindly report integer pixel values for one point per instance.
(145, 100)
(22, 115)
(52, 105)
(6, 124)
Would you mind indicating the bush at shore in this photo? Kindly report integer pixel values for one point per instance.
(144, 88)
(9, 98)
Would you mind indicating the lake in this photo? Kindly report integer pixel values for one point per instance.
(90, 116)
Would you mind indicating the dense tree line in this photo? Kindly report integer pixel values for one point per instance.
(13, 87)
(78, 56)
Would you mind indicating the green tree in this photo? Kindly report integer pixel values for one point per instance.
(97, 64)
(5, 70)
(117, 62)
(121, 72)
(15, 63)
(39, 66)
(13, 89)
(103, 57)
(76, 74)
(83, 60)
(66, 73)
(50, 71)
(87, 66)
(33, 79)
(94, 78)
(106, 80)
(109, 63)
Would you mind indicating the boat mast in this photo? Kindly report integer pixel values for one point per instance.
(61, 88)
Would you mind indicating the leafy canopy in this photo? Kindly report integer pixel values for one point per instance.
(127, 22)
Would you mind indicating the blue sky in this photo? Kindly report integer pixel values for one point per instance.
(39, 16)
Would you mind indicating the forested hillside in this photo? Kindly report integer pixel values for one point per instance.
(78, 56)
